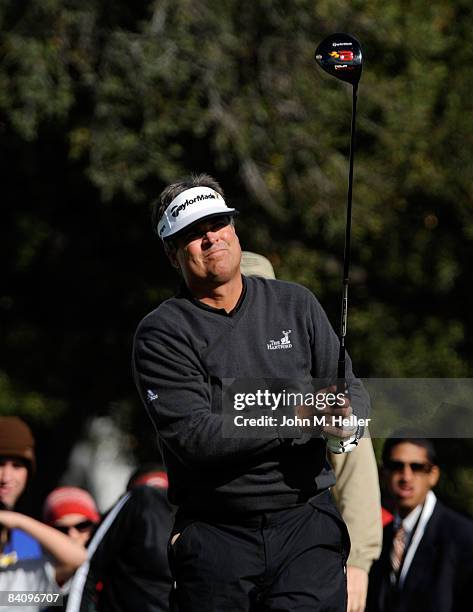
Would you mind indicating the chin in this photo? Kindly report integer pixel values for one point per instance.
(219, 278)
(6, 504)
(223, 273)
(406, 506)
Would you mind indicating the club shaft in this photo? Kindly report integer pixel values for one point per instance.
(346, 251)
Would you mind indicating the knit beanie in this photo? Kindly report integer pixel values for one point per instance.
(69, 500)
(16, 440)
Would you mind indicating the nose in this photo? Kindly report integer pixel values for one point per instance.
(406, 472)
(6, 472)
(211, 236)
(73, 533)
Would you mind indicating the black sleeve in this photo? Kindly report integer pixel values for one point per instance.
(177, 395)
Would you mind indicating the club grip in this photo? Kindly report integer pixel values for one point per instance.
(341, 369)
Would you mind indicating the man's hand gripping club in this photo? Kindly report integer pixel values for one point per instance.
(340, 437)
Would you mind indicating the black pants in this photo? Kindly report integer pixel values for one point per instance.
(286, 560)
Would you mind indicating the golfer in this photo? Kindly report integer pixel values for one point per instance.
(256, 527)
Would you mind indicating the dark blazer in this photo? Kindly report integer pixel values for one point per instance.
(440, 578)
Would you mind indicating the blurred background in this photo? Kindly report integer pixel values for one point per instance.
(103, 103)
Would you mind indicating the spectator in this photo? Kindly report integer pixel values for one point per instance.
(127, 568)
(72, 511)
(356, 490)
(426, 564)
(31, 552)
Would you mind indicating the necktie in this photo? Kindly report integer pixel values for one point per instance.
(397, 551)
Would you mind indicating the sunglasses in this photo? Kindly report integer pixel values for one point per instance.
(416, 468)
(81, 527)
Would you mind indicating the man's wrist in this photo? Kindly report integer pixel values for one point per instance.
(339, 445)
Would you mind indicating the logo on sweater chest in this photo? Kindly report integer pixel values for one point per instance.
(283, 343)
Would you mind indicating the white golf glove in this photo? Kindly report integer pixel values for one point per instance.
(342, 445)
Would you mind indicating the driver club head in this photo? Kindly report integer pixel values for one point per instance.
(340, 55)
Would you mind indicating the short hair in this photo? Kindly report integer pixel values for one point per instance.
(410, 436)
(174, 189)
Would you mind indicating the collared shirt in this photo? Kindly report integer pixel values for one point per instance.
(414, 526)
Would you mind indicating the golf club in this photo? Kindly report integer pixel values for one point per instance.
(340, 55)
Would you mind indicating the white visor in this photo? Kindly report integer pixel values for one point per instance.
(190, 206)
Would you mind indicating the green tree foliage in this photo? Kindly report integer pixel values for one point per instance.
(102, 103)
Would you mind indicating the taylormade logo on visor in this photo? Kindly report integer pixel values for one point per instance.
(177, 209)
(191, 206)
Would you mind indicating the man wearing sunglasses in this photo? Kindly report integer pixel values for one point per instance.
(426, 564)
(256, 526)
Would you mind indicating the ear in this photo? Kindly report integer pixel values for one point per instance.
(434, 476)
(173, 259)
(171, 252)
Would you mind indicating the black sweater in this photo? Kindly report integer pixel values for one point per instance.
(183, 351)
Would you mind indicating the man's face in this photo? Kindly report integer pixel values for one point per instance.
(409, 476)
(13, 478)
(208, 251)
